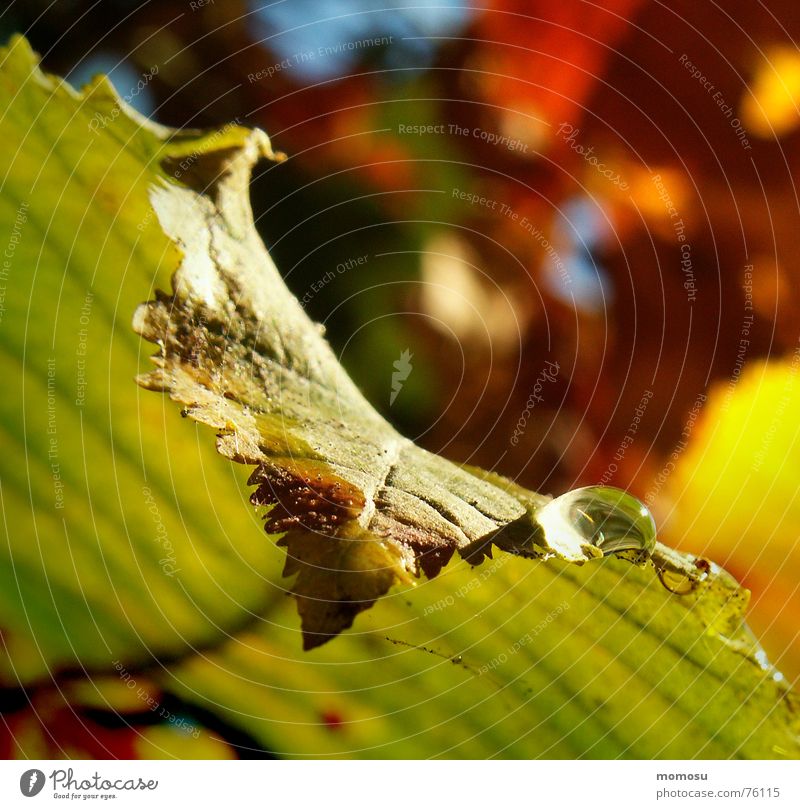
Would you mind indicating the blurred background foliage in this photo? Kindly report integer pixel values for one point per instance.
(559, 263)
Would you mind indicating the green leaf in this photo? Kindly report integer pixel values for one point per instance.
(127, 539)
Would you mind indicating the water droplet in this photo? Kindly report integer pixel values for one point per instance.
(682, 582)
(677, 583)
(609, 519)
